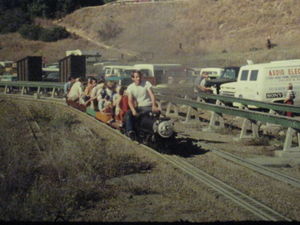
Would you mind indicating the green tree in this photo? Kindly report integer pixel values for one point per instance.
(53, 34)
(31, 32)
(11, 20)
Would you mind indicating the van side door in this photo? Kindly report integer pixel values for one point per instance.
(249, 84)
(253, 86)
(242, 89)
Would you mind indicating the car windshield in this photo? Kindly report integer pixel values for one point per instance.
(53, 75)
(127, 72)
(228, 74)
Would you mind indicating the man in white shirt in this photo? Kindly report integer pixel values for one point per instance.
(76, 90)
(200, 84)
(140, 99)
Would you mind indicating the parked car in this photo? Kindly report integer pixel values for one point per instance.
(229, 74)
(51, 77)
(8, 77)
(212, 72)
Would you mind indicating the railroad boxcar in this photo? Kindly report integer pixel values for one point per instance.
(73, 65)
(29, 68)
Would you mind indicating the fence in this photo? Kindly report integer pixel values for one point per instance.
(251, 118)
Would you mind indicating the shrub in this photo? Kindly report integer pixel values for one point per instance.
(47, 36)
(109, 30)
(53, 34)
(35, 32)
(108, 1)
(259, 141)
(30, 31)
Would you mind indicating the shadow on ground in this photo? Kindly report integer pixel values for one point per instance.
(184, 147)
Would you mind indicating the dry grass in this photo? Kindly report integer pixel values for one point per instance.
(260, 141)
(68, 176)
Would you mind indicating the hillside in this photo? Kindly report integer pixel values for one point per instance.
(193, 32)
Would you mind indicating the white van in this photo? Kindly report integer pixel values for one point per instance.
(213, 73)
(265, 82)
(159, 73)
(116, 70)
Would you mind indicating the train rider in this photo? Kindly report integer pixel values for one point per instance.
(107, 95)
(94, 93)
(75, 93)
(68, 85)
(120, 103)
(91, 83)
(139, 92)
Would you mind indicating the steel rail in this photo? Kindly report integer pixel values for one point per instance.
(257, 208)
(258, 168)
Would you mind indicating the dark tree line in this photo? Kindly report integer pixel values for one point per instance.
(48, 8)
(15, 13)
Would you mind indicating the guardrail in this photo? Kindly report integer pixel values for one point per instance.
(252, 118)
(244, 102)
(25, 87)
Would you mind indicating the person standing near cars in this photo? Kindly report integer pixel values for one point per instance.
(200, 84)
(140, 99)
(290, 96)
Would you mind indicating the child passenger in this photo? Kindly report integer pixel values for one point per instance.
(106, 99)
(121, 104)
(91, 83)
(94, 94)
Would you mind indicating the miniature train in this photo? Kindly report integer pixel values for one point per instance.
(150, 128)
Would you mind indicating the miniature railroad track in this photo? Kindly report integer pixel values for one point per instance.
(258, 209)
(34, 129)
(258, 168)
(262, 211)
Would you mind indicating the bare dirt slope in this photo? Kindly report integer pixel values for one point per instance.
(194, 32)
(204, 28)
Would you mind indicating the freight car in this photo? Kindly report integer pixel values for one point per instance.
(72, 66)
(29, 68)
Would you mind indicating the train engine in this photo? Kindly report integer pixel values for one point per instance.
(151, 129)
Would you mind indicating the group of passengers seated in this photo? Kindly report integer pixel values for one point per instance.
(115, 104)
(105, 97)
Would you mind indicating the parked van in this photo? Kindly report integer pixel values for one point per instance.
(265, 82)
(228, 75)
(160, 73)
(116, 70)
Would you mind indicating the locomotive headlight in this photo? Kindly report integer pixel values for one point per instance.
(165, 129)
